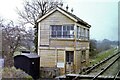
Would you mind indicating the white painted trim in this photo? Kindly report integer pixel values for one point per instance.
(38, 38)
(67, 15)
(46, 15)
(63, 12)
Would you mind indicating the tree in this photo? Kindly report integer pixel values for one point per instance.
(34, 10)
(93, 47)
(12, 36)
(104, 45)
(1, 24)
(27, 40)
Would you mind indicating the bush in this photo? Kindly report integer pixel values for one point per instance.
(15, 73)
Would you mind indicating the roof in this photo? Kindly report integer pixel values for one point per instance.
(68, 14)
(31, 55)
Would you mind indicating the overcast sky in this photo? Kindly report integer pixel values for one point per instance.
(102, 15)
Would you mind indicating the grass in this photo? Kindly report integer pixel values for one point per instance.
(102, 56)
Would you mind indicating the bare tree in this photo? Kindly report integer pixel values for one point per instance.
(1, 24)
(35, 9)
(12, 36)
(27, 40)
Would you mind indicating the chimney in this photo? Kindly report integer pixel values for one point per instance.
(72, 10)
(61, 4)
(67, 8)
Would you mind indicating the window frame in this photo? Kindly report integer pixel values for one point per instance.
(69, 27)
(82, 33)
(69, 56)
(83, 57)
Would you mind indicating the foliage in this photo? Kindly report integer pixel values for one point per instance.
(104, 45)
(15, 73)
(27, 40)
(1, 21)
(93, 48)
(33, 10)
(13, 36)
(103, 55)
(97, 47)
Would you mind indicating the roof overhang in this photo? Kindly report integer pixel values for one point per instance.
(52, 11)
(84, 23)
(66, 14)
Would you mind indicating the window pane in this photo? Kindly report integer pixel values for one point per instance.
(82, 32)
(59, 34)
(68, 34)
(69, 56)
(87, 33)
(64, 28)
(70, 31)
(53, 28)
(65, 34)
(72, 27)
(58, 28)
(77, 31)
(68, 27)
(65, 31)
(53, 34)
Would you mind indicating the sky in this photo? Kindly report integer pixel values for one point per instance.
(102, 15)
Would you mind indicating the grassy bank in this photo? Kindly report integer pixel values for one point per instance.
(102, 56)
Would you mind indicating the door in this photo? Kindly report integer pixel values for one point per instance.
(69, 61)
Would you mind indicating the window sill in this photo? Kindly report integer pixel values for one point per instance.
(62, 38)
(69, 39)
(82, 40)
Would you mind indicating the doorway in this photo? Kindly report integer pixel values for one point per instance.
(69, 61)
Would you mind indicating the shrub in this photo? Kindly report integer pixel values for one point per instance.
(15, 73)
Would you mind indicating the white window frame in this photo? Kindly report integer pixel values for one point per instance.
(82, 33)
(68, 35)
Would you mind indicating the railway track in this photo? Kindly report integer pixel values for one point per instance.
(100, 66)
(118, 74)
(102, 71)
(111, 60)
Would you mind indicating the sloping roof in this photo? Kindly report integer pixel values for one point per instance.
(68, 14)
(31, 55)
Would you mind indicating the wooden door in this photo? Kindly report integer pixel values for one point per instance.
(69, 61)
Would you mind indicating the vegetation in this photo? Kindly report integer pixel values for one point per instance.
(102, 56)
(93, 48)
(99, 50)
(97, 47)
(105, 45)
(13, 37)
(15, 73)
(33, 10)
